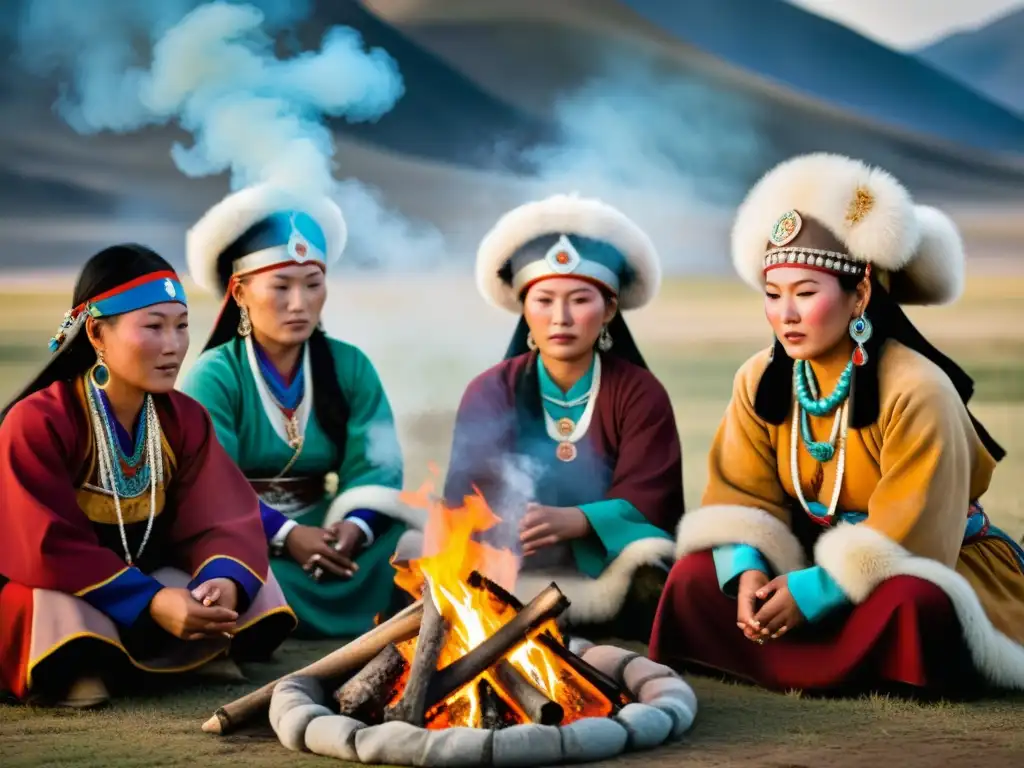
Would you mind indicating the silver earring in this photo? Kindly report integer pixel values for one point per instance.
(244, 324)
(530, 343)
(605, 340)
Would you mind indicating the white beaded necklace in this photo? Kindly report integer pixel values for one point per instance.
(566, 442)
(840, 424)
(104, 440)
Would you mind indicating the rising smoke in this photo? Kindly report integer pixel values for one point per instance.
(213, 70)
(672, 149)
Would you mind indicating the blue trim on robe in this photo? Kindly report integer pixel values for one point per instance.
(272, 520)
(615, 522)
(125, 440)
(226, 568)
(125, 597)
(379, 523)
(290, 395)
(732, 561)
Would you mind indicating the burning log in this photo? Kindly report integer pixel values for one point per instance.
(607, 686)
(335, 665)
(412, 707)
(547, 605)
(366, 694)
(490, 706)
(537, 706)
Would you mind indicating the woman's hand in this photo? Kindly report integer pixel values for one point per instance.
(348, 538)
(543, 526)
(181, 615)
(780, 614)
(222, 592)
(746, 602)
(311, 547)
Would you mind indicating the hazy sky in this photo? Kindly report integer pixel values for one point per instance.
(910, 23)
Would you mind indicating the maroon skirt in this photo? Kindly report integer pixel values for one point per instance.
(905, 638)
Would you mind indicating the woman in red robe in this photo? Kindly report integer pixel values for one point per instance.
(571, 439)
(132, 540)
(841, 545)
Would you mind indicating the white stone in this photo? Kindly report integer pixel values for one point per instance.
(607, 658)
(334, 736)
(394, 743)
(456, 747)
(520, 746)
(648, 726)
(641, 670)
(682, 716)
(593, 738)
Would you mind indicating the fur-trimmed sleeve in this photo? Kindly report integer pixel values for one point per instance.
(744, 502)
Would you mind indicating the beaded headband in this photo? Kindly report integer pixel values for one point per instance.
(782, 254)
(145, 291)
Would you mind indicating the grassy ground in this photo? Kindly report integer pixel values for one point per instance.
(695, 336)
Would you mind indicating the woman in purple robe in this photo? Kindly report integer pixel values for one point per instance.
(571, 439)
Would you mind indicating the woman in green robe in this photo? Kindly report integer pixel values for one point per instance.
(305, 416)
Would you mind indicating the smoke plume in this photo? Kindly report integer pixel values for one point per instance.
(213, 70)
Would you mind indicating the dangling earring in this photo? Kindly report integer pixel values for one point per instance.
(530, 343)
(99, 374)
(860, 332)
(771, 349)
(605, 340)
(244, 324)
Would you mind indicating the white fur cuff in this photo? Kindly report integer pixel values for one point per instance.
(860, 558)
(380, 498)
(723, 524)
(594, 601)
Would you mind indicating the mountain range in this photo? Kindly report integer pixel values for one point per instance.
(989, 59)
(670, 109)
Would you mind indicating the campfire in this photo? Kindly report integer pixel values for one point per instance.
(481, 658)
(468, 674)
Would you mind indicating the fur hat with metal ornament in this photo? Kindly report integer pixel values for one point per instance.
(839, 215)
(256, 229)
(569, 236)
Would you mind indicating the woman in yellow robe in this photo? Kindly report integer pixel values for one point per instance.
(841, 545)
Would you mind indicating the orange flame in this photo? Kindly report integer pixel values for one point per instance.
(450, 554)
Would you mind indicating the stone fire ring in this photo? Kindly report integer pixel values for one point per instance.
(666, 711)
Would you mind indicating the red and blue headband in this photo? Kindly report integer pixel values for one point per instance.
(145, 291)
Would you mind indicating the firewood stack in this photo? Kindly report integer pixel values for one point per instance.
(389, 688)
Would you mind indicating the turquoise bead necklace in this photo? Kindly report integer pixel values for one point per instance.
(806, 387)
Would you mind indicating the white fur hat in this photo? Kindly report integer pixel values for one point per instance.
(568, 221)
(832, 212)
(293, 227)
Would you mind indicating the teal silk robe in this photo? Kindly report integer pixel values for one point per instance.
(227, 381)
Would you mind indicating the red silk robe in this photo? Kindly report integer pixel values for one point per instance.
(66, 578)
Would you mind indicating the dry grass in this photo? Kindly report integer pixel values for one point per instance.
(695, 336)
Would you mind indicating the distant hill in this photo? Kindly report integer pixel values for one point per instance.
(989, 59)
(506, 100)
(821, 58)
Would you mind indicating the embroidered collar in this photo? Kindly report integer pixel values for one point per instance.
(578, 393)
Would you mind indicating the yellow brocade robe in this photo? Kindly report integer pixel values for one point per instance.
(914, 473)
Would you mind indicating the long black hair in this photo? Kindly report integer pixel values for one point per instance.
(889, 321)
(108, 269)
(330, 407)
